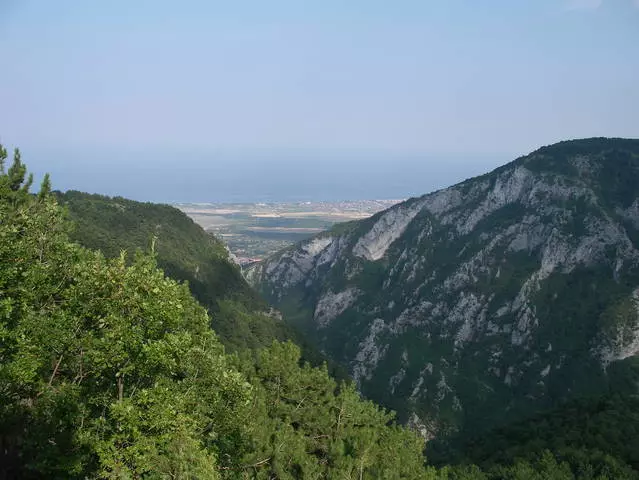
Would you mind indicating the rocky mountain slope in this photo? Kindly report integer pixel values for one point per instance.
(480, 303)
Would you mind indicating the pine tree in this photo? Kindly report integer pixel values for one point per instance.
(3, 157)
(16, 172)
(45, 187)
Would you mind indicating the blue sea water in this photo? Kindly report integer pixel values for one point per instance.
(248, 177)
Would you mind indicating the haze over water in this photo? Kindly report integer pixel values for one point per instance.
(262, 177)
(320, 100)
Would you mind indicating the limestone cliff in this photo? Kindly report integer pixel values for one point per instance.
(473, 304)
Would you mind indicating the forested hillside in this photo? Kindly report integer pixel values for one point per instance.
(485, 302)
(596, 435)
(185, 252)
(109, 369)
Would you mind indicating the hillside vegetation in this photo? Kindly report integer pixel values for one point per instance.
(185, 252)
(110, 369)
(485, 302)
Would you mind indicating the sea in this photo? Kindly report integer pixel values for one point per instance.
(256, 176)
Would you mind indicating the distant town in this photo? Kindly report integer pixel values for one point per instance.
(253, 231)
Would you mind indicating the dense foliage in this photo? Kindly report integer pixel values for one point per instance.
(185, 252)
(596, 437)
(109, 369)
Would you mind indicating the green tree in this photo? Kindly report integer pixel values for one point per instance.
(104, 367)
(314, 428)
(109, 369)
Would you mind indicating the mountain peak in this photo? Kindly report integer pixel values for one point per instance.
(501, 290)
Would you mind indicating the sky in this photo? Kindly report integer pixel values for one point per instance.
(203, 100)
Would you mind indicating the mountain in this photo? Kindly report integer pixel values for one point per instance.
(109, 369)
(481, 303)
(185, 252)
(604, 430)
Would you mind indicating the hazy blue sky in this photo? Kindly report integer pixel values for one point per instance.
(209, 100)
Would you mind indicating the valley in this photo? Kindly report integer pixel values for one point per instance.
(253, 231)
(319, 240)
(492, 325)
(478, 304)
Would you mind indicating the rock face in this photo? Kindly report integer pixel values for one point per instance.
(480, 302)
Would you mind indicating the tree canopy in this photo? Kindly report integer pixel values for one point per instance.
(110, 369)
